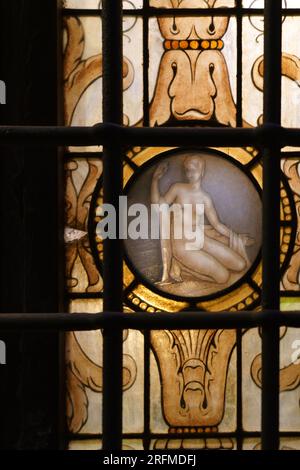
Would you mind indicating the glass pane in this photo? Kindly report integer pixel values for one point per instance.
(261, 3)
(292, 443)
(290, 372)
(84, 376)
(291, 4)
(81, 3)
(252, 82)
(84, 373)
(192, 3)
(83, 72)
(290, 239)
(201, 443)
(253, 3)
(200, 369)
(132, 444)
(95, 4)
(290, 378)
(133, 382)
(86, 444)
(290, 72)
(192, 77)
(251, 390)
(82, 274)
(96, 444)
(286, 443)
(133, 67)
(252, 444)
(158, 424)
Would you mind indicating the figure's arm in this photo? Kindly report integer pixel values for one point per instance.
(168, 198)
(155, 193)
(213, 218)
(156, 197)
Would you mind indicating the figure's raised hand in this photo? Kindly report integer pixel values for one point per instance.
(160, 170)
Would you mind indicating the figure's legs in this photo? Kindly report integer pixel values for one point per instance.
(202, 263)
(166, 255)
(225, 255)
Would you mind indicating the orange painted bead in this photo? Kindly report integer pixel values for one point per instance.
(194, 44)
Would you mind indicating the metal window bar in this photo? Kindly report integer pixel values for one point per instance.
(149, 11)
(271, 226)
(271, 137)
(144, 321)
(112, 189)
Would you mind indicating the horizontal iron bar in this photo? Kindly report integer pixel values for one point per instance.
(154, 137)
(186, 435)
(179, 12)
(147, 321)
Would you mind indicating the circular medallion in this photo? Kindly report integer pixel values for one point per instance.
(229, 223)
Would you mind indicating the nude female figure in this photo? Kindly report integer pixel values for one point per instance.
(216, 260)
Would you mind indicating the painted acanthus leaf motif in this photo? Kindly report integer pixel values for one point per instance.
(77, 210)
(193, 84)
(193, 78)
(290, 68)
(193, 364)
(82, 374)
(289, 376)
(193, 347)
(80, 73)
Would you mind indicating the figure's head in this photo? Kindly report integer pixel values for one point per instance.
(194, 168)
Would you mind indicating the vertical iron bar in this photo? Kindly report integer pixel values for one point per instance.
(271, 226)
(239, 65)
(112, 182)
(147, 342)
(146, 63)
(239, 391)
(146, 440)
(239, 123)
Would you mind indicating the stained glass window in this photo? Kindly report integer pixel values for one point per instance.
(197, 389)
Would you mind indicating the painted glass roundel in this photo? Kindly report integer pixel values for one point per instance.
(194, 223)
